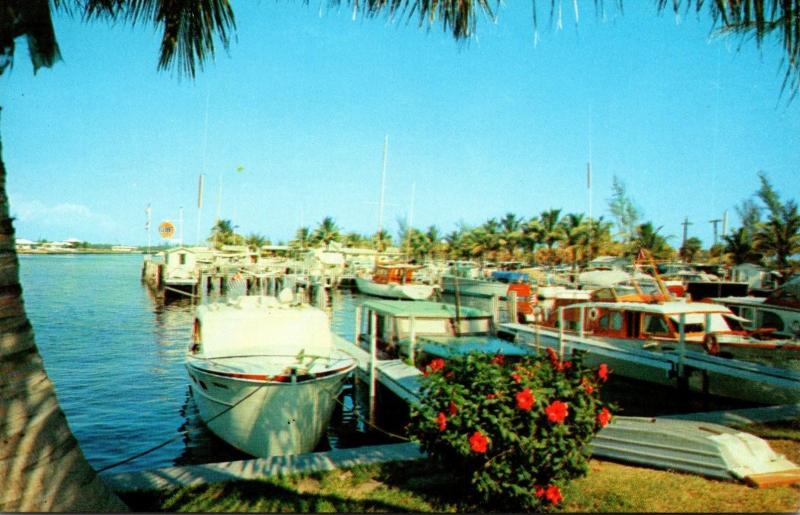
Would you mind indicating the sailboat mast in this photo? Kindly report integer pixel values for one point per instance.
(383, 186)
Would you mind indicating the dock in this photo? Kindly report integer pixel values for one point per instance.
(259, 468)
(692, 443)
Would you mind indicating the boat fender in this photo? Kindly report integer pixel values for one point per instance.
(710, 344)
(593, 314)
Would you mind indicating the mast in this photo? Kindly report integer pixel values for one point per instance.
(383, 187)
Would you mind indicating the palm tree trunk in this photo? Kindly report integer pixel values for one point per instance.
(42, 468)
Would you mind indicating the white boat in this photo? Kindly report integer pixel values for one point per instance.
(394, 282)
(777, 315)
(265, 374)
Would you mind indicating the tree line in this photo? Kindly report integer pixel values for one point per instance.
(769, 235)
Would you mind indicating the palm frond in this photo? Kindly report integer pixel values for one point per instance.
(190, 27)
(29, 18)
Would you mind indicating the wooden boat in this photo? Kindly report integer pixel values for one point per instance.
(265, 374)
(394, 281)
(708, 327)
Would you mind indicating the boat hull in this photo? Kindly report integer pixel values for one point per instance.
(633, 362)
(262, 416)
(413, 291)
(474, 287)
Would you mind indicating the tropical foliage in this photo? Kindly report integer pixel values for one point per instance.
(514, 434)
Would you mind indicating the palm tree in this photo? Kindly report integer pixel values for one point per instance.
(43, 467)
(255, 241)
(739, 247)
(576, 233)
(532, 236)
(691, 249)
(647, 237)
(327, 231)
(511, 233)
(552, 231)
(223, 233)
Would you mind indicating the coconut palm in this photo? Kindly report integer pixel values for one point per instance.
(255, 241)
(739, 247)
(223, 233)
(511, 233)
(647, 237)
(552, 230)
(576, 233)
(691, 249)
(532, 236)
(43, 467)
(327, 232)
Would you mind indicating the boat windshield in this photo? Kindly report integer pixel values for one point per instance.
(696, 322)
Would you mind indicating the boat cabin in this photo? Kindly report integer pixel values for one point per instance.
(250, 325)
(394, 323)
(399, 274)
(635, 320)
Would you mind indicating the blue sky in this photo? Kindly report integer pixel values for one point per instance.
(305, 96)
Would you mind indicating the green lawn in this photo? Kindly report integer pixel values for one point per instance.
(416, 486)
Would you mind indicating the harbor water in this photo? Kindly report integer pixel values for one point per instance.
(115, 355)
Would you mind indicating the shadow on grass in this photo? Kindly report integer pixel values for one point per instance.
(413, 487)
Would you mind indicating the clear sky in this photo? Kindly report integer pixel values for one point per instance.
(305, 96)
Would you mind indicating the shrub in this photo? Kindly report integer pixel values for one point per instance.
(513, 433)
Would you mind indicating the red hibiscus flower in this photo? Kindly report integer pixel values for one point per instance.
(553, 494)
(491, 395)
(478, 443)
(453, 409)
(516, 378)
(525, 399)
(602, 372)
(436, 364)
(499, 360)
(566, 364)
(557, 411)
(604, 417)
(441, 419)
(539, 491)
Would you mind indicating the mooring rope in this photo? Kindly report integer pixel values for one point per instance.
(180, 434)
(188, 431)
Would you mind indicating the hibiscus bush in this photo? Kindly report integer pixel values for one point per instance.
(513, 433)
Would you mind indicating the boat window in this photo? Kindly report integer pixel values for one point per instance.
(182, 258)
(655, 324)
(611, 321)
(770, 319)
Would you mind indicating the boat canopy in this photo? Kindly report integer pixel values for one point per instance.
(422, 309)
(451, 346)
(260, 325)
(506, 276)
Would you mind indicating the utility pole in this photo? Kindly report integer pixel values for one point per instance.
(686, 223)
(714, 223)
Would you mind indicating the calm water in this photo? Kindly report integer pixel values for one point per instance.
(116, 358)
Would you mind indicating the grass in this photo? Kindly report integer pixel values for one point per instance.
(418, 487)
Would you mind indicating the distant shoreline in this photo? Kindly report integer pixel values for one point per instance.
(74, 252)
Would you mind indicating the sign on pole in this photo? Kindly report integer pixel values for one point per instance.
(166, 229)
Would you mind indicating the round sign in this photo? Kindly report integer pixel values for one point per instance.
(166, 230)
